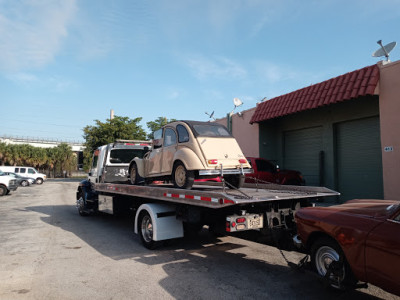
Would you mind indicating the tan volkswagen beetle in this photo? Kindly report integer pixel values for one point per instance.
(183, 151)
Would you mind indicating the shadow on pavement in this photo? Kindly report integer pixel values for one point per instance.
(194, 262)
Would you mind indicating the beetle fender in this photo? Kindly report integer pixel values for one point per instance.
(189, 159)
(140, 166)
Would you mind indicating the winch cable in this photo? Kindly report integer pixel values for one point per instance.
(299, 266)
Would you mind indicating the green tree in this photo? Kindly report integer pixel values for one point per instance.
(157, 124)
(107, 132)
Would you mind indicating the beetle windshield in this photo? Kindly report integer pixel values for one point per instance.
(211, 130)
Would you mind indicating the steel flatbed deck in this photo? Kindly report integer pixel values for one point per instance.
(216, 196)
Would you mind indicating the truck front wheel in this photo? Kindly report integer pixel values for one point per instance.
(81, 204)
(146, 230)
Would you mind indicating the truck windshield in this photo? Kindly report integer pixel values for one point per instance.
(211, 130)
(124, 156)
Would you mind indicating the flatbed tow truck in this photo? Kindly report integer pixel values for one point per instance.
(161, 212)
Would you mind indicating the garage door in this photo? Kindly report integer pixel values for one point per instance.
(359, 159)
(301, 152)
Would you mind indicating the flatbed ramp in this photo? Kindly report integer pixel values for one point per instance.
(216, 196)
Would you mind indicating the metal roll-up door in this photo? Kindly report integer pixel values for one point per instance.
(302, 150)
(359, 159)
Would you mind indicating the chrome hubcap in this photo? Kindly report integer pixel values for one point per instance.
(323, 258)
(147, 228)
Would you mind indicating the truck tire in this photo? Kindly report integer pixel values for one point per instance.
(81, 204)
(326, 251)
(3, 190)
(182, 178)
(39, 180)
(234, 181)
(146, 230)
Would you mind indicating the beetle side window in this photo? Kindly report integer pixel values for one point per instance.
(169, 137)
(157, 140)
(183, 134)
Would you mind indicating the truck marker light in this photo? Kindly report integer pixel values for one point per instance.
(233, 224)
(213, 161)
(243, 161)
(228, 226)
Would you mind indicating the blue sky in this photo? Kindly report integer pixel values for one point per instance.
(66, 63)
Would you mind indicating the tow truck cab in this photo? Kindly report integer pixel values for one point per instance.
(110, 162)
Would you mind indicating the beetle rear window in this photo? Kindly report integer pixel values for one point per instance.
(211, 130)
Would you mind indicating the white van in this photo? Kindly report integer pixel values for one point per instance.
(26, 172)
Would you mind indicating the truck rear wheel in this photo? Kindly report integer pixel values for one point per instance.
(146, 230)
(181, 177)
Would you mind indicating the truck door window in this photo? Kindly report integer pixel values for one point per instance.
(183, 135)
(124, 156)
(22, 170)
(31, 171)
(95, 159)
(169, 137)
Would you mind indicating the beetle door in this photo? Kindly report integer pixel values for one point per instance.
(169, 149)
(153, 160)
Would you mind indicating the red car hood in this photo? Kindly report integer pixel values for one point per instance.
(371, 208)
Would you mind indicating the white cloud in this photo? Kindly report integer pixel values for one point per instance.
(31, 32)
(217, 67)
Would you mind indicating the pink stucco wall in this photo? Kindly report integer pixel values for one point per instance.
(389, 106)
(247, 135)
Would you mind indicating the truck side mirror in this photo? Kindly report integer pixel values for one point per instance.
(90, 174)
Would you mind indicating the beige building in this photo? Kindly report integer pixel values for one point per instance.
(342, 133)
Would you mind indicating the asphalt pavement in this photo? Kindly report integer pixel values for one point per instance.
(48, 251)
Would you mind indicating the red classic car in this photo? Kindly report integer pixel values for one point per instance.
(266, 171)
(355, 241)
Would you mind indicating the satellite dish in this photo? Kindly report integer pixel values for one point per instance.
(384, 50)
(237, 102)
(211, 115)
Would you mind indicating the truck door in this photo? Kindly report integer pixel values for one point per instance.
(94, 169)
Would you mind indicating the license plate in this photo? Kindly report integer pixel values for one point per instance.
(254, 222)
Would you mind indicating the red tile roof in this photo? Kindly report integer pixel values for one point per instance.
(348, 86)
